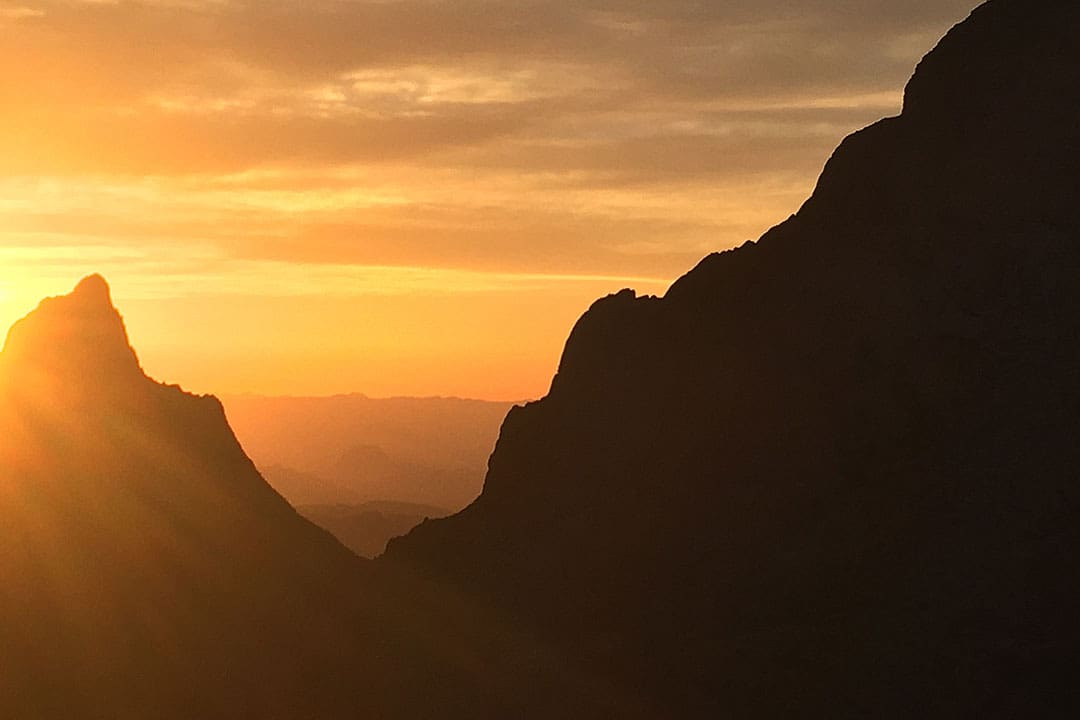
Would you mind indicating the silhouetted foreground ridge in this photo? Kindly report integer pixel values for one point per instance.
(147, 569)
(833, 472)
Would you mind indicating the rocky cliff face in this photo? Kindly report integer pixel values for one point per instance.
(833, 471)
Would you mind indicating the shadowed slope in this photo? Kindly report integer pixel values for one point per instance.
(831, 472)
(366, 528)
(146, 566)
(149, 571)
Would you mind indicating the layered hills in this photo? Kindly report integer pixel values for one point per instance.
(369, 469)
(832, 472)
(352, 449)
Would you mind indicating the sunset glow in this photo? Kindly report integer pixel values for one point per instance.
(410, 197)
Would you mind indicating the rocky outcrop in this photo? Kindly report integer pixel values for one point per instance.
(831, 472)
(77, 339)
(147, 568)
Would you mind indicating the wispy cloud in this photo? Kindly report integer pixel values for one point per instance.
(343, 146)
(417, 130)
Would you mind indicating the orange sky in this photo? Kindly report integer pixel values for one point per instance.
(411, 197)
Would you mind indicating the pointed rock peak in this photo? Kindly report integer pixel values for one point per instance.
(93, 289)
(77, 339)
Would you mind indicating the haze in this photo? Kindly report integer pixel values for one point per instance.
(411, 198)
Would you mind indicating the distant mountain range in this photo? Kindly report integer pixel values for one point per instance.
(349, 449)
(369, 469)
(829, 474)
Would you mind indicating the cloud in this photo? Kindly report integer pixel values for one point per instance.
(491, 123)
(279, 55)
(336, 195)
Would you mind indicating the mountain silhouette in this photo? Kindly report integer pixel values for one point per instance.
(147, 568)
(149, 571)
(832, 472)
(76, 337)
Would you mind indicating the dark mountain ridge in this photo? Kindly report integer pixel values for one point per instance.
(833, 471)
(149, 571)
(830, 473)
(146, 566)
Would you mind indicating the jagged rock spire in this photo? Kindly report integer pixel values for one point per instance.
(78, 340)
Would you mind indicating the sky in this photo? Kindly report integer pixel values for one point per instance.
(412, 197)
